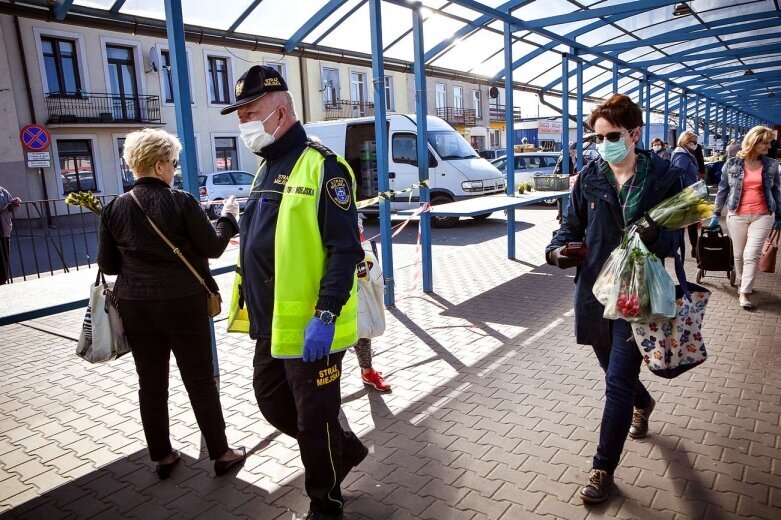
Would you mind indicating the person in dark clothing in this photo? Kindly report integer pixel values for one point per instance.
(8, 205)
(685, 157)
(611, 193)
(162, 305)
(772, 152)
(298, 258)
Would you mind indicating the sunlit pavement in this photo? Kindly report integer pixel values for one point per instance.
(494, 410)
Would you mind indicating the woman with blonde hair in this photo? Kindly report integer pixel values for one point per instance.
(684, 157)
(751, 188)
(162, 304)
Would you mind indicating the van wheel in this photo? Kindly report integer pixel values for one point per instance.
(482, 217)
(216, 208)
(442, 222)
(550, 202)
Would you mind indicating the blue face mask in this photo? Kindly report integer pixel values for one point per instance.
(613, 153)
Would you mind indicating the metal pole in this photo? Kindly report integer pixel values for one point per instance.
(666, 111)
(565, 164)
(422, 140)
(579, 111)
(696, 114)
(647, 138)
(707, 122)
(724, 133)
(615, 78)
(381, 136)
(510, 125)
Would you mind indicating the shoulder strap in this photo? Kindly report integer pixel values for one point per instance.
(320, 147)
(173, 247)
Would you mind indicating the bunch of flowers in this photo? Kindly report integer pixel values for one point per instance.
(85, 199)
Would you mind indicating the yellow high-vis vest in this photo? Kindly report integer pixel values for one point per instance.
(299, 266)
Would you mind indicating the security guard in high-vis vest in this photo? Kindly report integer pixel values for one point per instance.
(296, 288)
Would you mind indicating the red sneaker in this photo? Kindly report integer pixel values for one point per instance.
(376, 380)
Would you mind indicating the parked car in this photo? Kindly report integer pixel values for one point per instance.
(216, 186)
(490, 155)
(529, 165)
(456, 172)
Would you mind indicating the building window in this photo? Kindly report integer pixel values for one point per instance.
(219, 91)
(168, 83)
(476, 98)
(77, 165)
(330, 87)
(458, 97)
(495, 138)
(226, 155)
(358, 87)
(440, 99)
(124, 169)
(389, 94)
(61, 64)
(279, 67)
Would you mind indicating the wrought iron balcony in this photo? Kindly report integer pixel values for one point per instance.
(457, 116)
(346, 109)
(496, 113)
(101, 108)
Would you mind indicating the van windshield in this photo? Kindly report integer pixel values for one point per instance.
(450, 145)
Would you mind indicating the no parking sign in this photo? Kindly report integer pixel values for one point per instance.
(36, 139)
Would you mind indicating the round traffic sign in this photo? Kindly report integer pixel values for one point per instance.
(35, 138)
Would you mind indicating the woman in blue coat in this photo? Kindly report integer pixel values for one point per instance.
(684, 157)
(611, 193)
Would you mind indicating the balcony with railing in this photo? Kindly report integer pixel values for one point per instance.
(496, 113)
(457, 116)
(101, 108)
(346, 109)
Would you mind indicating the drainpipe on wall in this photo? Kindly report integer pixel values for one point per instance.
(31, 108)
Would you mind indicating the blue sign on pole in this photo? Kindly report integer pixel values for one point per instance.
(35, 138)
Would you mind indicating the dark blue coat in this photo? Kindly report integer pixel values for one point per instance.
(593, 217)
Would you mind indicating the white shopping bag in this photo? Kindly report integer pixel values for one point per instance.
(102, 336)
(371, 292)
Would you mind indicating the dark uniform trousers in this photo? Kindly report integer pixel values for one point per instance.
(303, 400)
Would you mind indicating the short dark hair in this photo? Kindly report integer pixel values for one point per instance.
(618, 110)
(657, 140)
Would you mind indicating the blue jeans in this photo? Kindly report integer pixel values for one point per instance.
(623, 392)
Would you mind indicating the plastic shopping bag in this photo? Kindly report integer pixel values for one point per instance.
(102, 336)
(371, 292)
(661, 288)
(670, 347)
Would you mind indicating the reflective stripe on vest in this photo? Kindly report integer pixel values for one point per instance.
(299, 265)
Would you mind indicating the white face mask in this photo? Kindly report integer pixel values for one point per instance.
(657, 147)
(254, 134)
(692, 146)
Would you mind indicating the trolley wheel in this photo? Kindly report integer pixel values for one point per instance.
(700, 272)
(732, 277)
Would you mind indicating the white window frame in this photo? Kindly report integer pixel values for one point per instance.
(338, 86)
(118, 160)
(390, 95)
(477, 103)
(207, 53)
(138, 58)
(99, 182)
(277, 62)
(80, 58)
(366, 77)
(160, 48)
(437, 92)
(458, 95)
(213, 136)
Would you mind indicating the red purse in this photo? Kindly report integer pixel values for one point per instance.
(767, 261)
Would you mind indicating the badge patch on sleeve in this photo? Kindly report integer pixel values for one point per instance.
(339, 191)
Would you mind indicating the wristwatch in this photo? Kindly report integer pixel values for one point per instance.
(327, 317)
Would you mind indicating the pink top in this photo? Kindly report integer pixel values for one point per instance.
(752, 198)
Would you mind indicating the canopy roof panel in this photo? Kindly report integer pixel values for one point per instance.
(642, 36)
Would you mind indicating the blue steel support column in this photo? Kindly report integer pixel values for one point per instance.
(647, 134)
(421, 110)
(680, 116)
(724, 133)
(510, 126)
(666, 111)
(615, 78)
(697, 115)
(579, 111)
(640, 97)
(180, 78)
(685, 112)
(707, 122)
(381, 136)
(565, 114)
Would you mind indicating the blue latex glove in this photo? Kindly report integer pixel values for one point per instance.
(713, 223)
(317, 340)
(777, 224)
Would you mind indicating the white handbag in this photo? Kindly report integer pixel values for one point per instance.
(102, 336)
(371, 293)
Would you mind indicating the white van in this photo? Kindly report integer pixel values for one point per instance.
(456, 172)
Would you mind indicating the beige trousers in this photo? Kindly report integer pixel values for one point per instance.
(748, 233)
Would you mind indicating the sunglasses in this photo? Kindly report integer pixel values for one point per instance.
(175, 163)
(613, 137)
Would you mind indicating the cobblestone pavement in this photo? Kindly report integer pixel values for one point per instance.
(494, 410)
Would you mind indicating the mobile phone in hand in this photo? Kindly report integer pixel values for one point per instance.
(579, 249)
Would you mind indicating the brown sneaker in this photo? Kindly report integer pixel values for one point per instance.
(598, 487)
(639, 428)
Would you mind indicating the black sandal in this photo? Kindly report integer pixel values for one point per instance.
(221, 467)
(164, 470)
